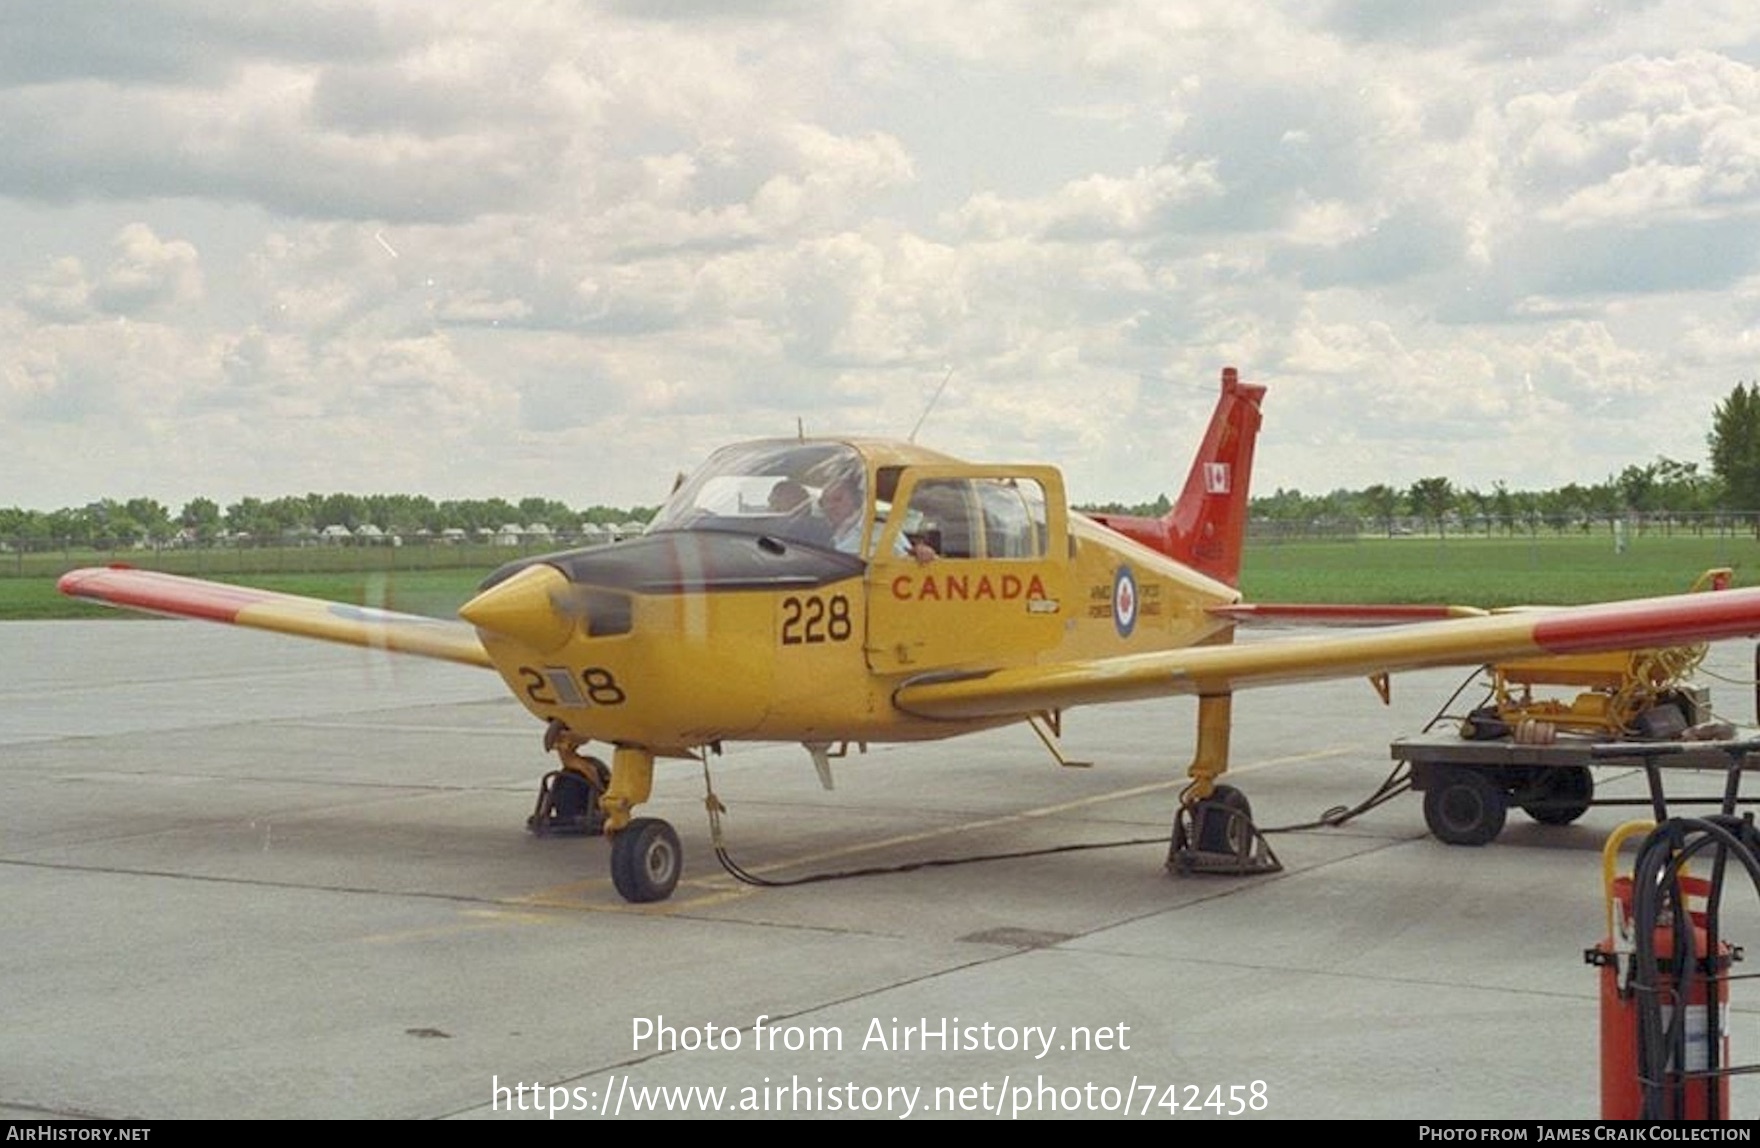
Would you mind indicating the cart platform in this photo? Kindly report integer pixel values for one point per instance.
(1468, 786)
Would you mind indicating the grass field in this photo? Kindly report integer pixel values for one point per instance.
(1498, 571)
(1473, 571)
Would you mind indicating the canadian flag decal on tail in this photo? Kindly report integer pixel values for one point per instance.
(1216, 478)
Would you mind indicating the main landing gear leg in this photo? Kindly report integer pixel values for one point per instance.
(1213, 830)
(646, 859)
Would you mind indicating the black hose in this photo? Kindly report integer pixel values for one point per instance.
(1664, 1065)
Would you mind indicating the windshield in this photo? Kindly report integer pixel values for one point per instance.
(811, 493)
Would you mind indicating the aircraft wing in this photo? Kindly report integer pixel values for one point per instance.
(181, 597)
(1467, 641)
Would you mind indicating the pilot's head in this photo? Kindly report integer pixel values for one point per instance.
(842, 498)
(787, 495)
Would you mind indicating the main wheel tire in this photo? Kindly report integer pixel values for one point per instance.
(1560, 795)
(646, 861)
(1463, 807)
(1224, 821)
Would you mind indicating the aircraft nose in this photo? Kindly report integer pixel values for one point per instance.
(526, 607)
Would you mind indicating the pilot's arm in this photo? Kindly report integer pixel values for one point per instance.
(903, 547)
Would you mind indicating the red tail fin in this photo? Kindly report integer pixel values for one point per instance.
(1208, 525)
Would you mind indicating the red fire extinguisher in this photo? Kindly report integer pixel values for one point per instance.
(1624, 988)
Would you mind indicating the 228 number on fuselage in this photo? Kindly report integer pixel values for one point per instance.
(810, 619)
(560, 686)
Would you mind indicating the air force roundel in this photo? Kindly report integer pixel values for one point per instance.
(1124, 601)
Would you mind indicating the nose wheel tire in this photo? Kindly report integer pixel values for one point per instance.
(646, 861)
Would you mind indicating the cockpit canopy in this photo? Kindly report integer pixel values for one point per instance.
(791, 491)
(818, 494)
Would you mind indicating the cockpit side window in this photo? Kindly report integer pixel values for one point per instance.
(1014, 518)
(941, 513)
(979, 517)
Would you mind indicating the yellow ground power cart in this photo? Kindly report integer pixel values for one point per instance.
(1546, 721)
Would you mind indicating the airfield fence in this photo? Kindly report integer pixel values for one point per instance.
(1721, 524)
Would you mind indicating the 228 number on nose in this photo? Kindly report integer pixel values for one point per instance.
(809, 619)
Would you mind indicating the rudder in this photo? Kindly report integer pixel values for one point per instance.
(1207, 527)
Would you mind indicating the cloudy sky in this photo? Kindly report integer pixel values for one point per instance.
(565, 247)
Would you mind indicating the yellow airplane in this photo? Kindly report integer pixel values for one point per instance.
(841, 592)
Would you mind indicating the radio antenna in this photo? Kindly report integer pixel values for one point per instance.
(933, 399)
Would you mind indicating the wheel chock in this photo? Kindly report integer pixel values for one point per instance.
(568, 806)
(1217, 836)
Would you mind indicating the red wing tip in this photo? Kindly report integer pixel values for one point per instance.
(69, 582)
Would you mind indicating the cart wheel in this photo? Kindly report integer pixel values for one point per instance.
(1463, 807)
(1560, 796)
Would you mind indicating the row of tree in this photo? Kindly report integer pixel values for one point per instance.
(146, 521)
(1664, 490)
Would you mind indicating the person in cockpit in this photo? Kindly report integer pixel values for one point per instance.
(841, 502)
(788, 497)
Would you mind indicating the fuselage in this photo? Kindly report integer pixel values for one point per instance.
(751, 611)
